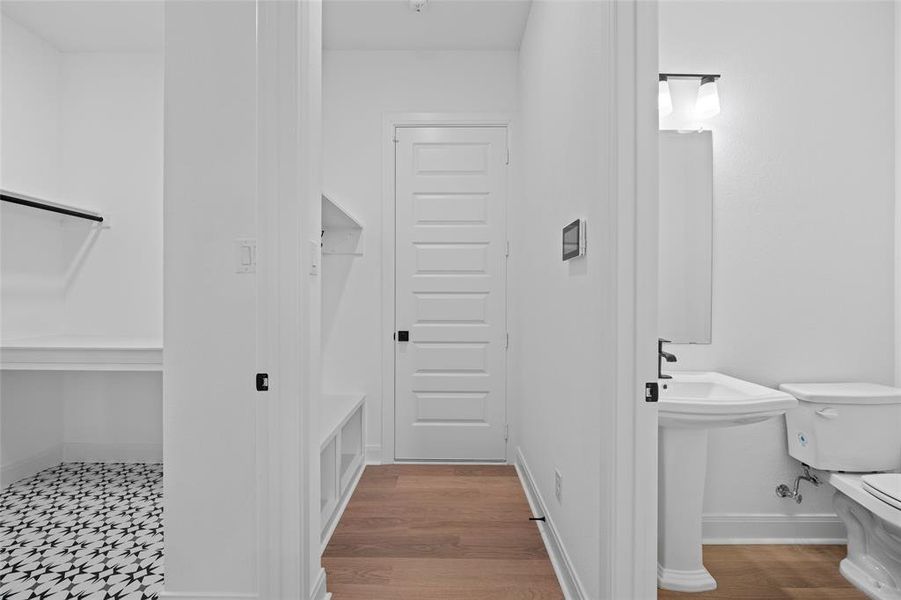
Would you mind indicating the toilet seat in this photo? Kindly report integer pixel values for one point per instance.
(885, 486)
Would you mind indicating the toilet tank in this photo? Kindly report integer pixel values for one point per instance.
(845, 426)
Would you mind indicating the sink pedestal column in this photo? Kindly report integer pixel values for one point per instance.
(682, 472)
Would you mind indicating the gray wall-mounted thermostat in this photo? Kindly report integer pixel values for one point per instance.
(574, 239)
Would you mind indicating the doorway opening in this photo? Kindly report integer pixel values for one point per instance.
(453, 316)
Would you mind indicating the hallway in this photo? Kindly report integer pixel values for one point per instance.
(438, 531)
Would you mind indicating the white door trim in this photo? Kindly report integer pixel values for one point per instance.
(289, 154)
(632, 547)
(390, 123)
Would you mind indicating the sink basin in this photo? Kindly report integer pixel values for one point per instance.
(690, 404)
(698, 399)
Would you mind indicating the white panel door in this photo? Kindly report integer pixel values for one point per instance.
(450, 379)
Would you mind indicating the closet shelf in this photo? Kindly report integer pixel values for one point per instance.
(54, 207)
(81, 353)
(341, 232)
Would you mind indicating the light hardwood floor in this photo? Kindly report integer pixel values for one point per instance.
(443, 532)
(773, 573)
(423, 532)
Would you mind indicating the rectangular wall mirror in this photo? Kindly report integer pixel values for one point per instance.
(686, 236)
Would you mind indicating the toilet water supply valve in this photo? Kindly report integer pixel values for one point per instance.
(783, 491)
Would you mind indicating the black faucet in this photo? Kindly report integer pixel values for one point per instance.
(661, 355)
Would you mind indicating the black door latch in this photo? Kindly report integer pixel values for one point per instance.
(262, 382)
(403, 336)
(651, 392)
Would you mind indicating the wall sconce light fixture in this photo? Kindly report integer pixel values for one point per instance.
(664, 98)
(708, 101)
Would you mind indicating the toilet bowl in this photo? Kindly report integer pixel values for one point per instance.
(852, 431)
(873, 563)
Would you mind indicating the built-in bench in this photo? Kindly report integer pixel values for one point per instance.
(341, 419)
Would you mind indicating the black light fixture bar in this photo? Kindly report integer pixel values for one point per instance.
(713, 76)
(49, 206)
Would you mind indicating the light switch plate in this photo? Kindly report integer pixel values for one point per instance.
(245, 255)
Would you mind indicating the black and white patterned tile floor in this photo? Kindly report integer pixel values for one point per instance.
(83, 531)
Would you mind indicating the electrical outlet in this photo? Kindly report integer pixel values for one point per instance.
(558, 485)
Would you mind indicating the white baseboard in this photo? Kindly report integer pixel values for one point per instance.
(773, 529)
(114, 452)
(373, 454)
(566, 574)
(205, 596)
(32, 465)
(319, 592)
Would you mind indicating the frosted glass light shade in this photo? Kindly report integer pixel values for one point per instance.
(708, 102)
(664, 98)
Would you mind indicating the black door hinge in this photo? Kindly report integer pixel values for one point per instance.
(651, 392)
(262, 382)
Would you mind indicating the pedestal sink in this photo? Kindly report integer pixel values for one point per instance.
(690, 404)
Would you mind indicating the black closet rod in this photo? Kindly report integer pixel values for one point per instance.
(35, 203)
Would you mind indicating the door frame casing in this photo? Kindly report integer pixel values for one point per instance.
(631, 550)
(289, 189)
(390, 122)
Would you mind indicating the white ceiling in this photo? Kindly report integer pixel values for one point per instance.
(442, 25)
(137, 25)
(92, 25)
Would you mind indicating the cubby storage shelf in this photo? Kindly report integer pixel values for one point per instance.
(341, 427)
(81, 353)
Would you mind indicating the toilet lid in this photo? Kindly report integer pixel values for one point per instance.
(885, 486)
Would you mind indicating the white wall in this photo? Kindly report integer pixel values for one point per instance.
(210, 358)
(112, 160)
(31, 245)
(31, 427)
(30, 96)
(563, 348)
(803, 175)
(358, 89)
(111, 417)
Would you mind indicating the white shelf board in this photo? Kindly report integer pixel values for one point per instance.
(334, 411)
(342, 233)
(81, 353)
(334, 216)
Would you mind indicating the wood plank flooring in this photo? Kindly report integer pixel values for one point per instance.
(773, 573)
(442, 532)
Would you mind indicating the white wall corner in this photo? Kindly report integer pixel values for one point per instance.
(319, 588)
(759, 528)
(32, 465)
(373, 454)
(563, 567)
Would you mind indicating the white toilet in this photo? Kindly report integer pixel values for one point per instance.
(853, 431)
